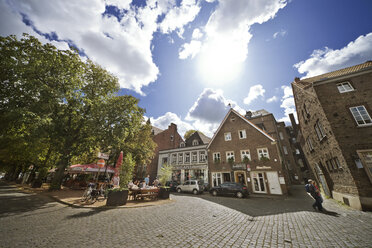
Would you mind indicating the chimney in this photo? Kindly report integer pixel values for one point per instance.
(297, 79)
(293, 122)
(248, 114)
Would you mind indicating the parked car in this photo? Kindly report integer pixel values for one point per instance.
(172, 184)
(194, 186)
(229, 188)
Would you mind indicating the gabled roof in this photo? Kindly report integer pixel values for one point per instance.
(243, 118)
(342, 72)
(204, 138)
(156, 130)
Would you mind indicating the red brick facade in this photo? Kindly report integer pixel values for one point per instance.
(253, 173)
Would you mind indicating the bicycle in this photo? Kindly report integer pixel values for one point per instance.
(92, 194)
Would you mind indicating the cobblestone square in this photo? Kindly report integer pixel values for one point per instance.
(31, 220)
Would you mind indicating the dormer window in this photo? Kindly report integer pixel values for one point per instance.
(182, 144)
(195, 142)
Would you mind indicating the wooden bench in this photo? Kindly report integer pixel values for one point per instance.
(151, 194)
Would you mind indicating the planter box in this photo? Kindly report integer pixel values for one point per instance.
(164, 193)
(37, 184)
(117, 198)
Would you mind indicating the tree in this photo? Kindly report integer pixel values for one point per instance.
(126, 171)
(68, 107)
(189, 133)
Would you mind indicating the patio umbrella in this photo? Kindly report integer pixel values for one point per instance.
(88, 168)
(119, 162)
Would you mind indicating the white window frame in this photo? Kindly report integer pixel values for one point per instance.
(182, 144)
(202, 156)
(366, 118)
(263, 151)
(230, 154)
(174, 158)
(245, 153)
(309, 144)
(285, 150)
(319, 130)
(216, 175)
(242, 134)
(194, 156)
(228, 136)
(345, 87)
(187, 157)
(195, 142)
(180, 158)
(216, 155)
(281, 136)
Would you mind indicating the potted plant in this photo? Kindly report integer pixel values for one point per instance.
(230, 160)
(246, 160)
(164, 176)
(264, 159)
(118, 196)
(217, 160)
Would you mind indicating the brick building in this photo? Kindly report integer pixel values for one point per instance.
(164, 139)
(334, 112)
(281, 133)
(242, 152)
(189, 161)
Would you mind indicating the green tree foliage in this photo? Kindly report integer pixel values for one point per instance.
(126, 171)
(189, 133)
(165, 174)
(56, 109)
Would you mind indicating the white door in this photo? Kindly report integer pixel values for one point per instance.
(273, 180)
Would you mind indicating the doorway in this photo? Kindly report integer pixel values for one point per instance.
(240, 177)
(258, 182)
(274, 185)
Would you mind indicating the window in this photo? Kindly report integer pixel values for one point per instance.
(202, 156)
(245, 153)
(187, 157)
(174, 158)
(194, 156)
(227, 136)
(285, 150)
(319, 130)
(338, 165)
(171, 137)
(306, 110)
(329, 165)
(216, 157)
(297, 151)
(216, 179)
(262, 153)
(182, 144)
(195, 142)
(180, 158)
(361, 116)
(242, 134)
(230, 155)
(309, 144)
(344, 87)
(281, 135)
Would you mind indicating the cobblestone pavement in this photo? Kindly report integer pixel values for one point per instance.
(29, 220)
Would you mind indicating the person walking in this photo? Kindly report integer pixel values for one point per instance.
(313, 190)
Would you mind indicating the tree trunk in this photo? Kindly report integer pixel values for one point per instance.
(60, 173)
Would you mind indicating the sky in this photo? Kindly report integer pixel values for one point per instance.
(188, 61)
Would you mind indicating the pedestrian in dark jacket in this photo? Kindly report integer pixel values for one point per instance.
(313, 190)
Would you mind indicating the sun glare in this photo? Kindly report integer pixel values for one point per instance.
(219, 63)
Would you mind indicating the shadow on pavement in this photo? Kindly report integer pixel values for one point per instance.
(91, 212)
(296, 201)
(14, 201)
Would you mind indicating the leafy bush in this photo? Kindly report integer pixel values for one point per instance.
(165, 174)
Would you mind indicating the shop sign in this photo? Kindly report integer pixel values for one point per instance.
(263, 167)
(239, 167)
(248, 167)
(103, 155)
(190, 167)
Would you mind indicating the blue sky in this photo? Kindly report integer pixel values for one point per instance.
(186, 60)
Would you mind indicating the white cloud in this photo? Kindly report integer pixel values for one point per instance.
(281, 33)
(288, 104)
(178, 17)
(205, 115)
(197, 34)
(164, 121)
(211, 107)
(189, 49)
(272, 99)
(225, 46)
(254, 92)
(326, 60)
